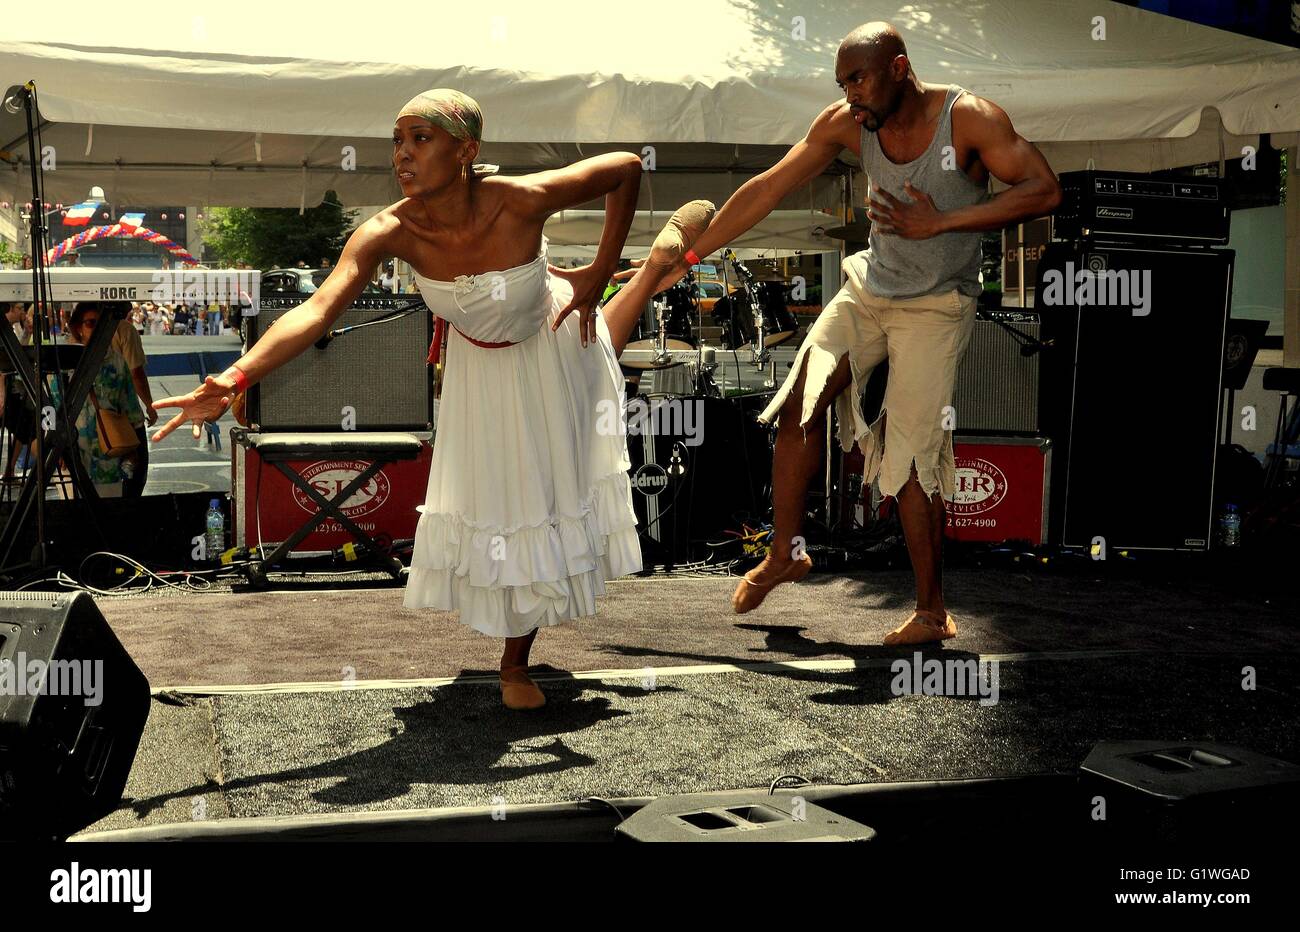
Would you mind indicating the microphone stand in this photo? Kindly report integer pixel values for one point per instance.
(389, 317)
(32, 376)
(759, 348)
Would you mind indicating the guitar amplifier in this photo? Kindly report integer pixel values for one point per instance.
(996, 391)
(374, 378)
(1106, 206)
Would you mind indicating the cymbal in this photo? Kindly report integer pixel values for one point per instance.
(856, 229)
(855, 232)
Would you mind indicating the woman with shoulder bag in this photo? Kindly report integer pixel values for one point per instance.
(106, 426)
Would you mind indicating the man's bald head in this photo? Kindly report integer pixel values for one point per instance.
(872, 68)
(877, 43)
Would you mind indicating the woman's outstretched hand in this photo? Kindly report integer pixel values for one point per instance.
(588, 285)
(206, 403)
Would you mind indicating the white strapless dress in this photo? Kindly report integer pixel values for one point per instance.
(529, 506)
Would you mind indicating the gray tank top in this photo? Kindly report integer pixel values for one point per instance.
(909, 268)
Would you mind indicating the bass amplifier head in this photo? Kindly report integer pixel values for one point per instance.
(372, 378)
(1109, 206)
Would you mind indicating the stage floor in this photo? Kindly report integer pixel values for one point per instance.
(305, 701)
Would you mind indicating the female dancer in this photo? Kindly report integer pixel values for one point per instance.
(528, 509)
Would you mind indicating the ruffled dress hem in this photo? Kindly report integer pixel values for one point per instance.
(505, 582)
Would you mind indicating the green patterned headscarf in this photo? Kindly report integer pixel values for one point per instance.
(453, 111)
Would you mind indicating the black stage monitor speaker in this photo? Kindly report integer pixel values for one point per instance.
(377, 374)
(1190, 792)
(1130, 391)
(72, 708)
(739, 816)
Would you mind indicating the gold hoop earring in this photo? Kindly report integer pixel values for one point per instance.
(464, 172)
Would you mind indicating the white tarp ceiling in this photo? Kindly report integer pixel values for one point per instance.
(570, 233)
(253, 103)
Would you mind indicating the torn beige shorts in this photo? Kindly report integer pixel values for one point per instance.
(923, 339)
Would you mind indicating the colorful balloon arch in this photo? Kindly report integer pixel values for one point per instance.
(106, 232)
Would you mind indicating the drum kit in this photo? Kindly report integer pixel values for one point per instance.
(692, 487)
(753, 316)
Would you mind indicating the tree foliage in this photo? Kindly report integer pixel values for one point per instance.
(276, 237)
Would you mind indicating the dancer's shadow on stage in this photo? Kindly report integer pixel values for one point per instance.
(460, 737)
(870, 684)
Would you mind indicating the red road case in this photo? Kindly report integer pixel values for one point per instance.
(1002, 490)
(386, 506)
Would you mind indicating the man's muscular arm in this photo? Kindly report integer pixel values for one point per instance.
(1013, 160)
(758, 196)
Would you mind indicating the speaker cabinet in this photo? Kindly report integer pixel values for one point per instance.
(996, 391)
(700, 466)
(72, 708)
(377, 375)
(1130, 391)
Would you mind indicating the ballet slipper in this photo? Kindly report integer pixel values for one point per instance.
(518, 691)
(749, 594)
(923, 627)
(679, 234)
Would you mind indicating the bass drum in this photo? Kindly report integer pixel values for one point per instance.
(677, 311)
(734, 316)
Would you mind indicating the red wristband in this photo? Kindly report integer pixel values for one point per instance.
(692, 258)
(240, 377)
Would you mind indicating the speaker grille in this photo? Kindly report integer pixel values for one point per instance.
(1132, 396)
(997, 388)
(379, 372)
(54, 598)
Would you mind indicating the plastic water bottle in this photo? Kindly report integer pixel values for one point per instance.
(1230, 527)
(215, 538)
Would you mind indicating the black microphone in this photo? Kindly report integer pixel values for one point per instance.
(325, 340)
(740, 269)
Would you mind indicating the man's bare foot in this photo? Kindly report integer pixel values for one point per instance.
(923, 627)
(679, 234)
(762, 579)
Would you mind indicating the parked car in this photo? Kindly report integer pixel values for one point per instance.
(303, 281)
(709, 293)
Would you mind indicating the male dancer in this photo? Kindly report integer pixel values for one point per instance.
(928, 151)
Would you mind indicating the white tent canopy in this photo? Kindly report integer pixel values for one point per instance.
(790, 230)
(254, 103)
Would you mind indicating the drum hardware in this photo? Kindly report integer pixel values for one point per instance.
(754, 314)
(674, 341)
(673, 334)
